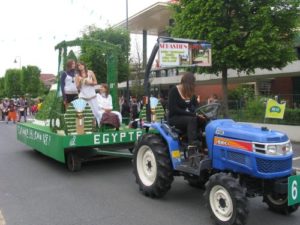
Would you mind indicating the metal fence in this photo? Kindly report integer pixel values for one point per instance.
(253, 110)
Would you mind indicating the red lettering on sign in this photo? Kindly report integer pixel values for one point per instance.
(173, 45)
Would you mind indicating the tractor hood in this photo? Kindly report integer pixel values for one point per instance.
(230, 129)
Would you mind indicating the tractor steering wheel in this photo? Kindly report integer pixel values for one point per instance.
(209, 111)
(199, 111)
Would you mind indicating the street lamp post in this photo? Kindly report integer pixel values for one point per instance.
(18, 60)
(127, 81)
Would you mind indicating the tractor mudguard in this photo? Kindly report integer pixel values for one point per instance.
(169, 131)
(171, 139)
(281, 186)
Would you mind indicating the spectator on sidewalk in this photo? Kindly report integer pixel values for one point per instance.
(1, 109)
(22, 108)
(134, 113)
(12, 112)
(212, 99)
(125, 110)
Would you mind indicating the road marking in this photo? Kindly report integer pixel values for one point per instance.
(2, 220)
(296, 158)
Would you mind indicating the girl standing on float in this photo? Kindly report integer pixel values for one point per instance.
(68, 86)
(85, 82)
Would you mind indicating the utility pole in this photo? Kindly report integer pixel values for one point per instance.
(127, 81)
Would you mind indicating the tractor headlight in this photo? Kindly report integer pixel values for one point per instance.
(279, 149)
(271, 150)
(286, 148)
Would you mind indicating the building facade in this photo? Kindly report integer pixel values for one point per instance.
(155, 19)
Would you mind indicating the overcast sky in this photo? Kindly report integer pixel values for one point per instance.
(31, 28)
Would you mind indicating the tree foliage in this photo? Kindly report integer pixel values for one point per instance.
(245, 34)
(25, 81)
(2, 87)
(12, 82)
(30, 80)
(95, 56)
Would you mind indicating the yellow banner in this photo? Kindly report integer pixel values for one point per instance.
(274, 109)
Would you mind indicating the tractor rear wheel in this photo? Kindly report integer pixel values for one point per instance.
(152, 166)
(226, 200)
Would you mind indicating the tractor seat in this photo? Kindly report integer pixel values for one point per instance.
(172, 131)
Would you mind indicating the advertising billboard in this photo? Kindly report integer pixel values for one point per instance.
(184, 54)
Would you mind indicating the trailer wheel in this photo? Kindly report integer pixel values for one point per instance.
(73, 161)
(152, 166)
(226, 200)
(279, 204)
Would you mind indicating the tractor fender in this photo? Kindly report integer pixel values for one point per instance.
(171, 139)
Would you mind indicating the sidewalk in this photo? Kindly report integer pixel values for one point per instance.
(293, 132)
(29, 119)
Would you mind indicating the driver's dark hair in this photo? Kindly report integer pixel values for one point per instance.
(188, 84)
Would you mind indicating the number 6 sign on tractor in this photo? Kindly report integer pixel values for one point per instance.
(293, 190)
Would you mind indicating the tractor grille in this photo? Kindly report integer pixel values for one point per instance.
(273, 166)
(237, 157)
(260, 148)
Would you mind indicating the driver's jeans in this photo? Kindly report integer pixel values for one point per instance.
(189, 125)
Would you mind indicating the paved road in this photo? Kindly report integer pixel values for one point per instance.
(35, 190)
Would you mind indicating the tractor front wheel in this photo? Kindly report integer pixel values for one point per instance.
(152, 166)
(279, 204)
(226, 200)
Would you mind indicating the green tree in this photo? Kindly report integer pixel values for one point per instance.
(12, 83)
(31, 83)
(245, 34)
(95, 55)
(2, 87)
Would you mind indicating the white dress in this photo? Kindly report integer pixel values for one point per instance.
(106, 103)
(88, 93)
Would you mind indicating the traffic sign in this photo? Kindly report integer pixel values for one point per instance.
(293, 190)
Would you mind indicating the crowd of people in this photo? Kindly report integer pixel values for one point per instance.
(130, 109)
(17, 110)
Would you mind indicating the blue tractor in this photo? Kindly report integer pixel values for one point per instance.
(239, 161)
